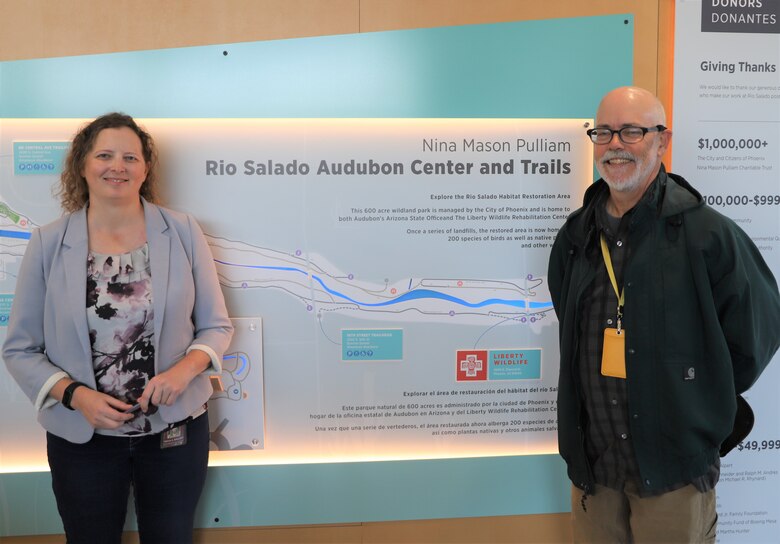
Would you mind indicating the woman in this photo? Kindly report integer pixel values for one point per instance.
(118, 320)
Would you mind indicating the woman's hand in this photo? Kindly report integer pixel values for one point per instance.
(100, 410)
(166, 387)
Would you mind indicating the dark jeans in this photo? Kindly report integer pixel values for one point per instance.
(92, 481)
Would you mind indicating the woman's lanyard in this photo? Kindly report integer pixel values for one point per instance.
(621, 294)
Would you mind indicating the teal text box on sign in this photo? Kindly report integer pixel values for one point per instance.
(5, 309)
(37, 158)
(372, 344)
(515, 364)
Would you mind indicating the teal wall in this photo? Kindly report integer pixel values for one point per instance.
(530, 69)
(527, 69)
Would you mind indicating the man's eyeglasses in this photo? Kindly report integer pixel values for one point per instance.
(627, 135)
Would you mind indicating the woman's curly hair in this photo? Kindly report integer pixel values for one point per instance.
(73, 191)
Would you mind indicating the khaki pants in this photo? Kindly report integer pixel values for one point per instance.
(683, 515)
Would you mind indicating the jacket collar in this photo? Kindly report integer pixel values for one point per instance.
(669, 194)
(75, 248)
(158, 238)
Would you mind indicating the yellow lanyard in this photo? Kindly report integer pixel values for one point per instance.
(611, 271)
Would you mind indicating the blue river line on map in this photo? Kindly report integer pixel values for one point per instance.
(411, 295)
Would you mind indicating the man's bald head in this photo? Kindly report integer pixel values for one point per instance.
(634, 99)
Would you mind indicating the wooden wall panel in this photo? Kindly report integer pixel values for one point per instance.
(57, 28)
(537, 529)
(665, 69)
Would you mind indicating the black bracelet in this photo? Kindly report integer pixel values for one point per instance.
(67, 396)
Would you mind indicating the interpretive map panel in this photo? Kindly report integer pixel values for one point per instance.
(399, 267)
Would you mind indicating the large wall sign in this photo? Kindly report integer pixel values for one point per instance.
(727, 144)
(399, 266)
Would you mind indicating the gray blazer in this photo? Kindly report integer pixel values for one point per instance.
(48, 333)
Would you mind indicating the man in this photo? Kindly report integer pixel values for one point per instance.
(667, 311)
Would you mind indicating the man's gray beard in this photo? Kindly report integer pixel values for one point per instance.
(643, 169)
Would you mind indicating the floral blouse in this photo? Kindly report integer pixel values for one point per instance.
(121, 331)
